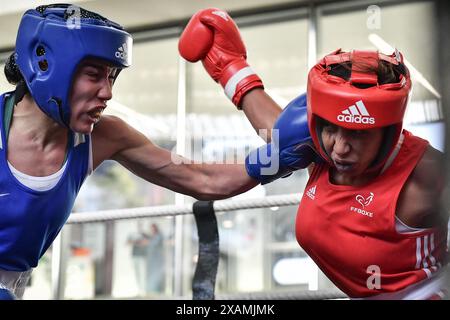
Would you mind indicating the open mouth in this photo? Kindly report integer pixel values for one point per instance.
(96, 113)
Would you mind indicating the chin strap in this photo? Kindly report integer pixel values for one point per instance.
(21, 91)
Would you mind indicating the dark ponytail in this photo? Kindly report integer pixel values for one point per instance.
(12, 71)
(14, 77)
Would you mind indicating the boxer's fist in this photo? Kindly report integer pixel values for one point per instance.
(291, 148)
(212, 37)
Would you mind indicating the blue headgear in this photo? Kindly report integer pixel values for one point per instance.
(53, 40)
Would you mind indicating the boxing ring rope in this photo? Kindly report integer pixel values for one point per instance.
(203, 283)
(172, 210)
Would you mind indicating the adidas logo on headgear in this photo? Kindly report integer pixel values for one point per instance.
(356, 113)
(122, 52)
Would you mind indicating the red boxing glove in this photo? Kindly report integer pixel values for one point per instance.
(213, 37)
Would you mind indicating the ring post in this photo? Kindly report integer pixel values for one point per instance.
(204, 280)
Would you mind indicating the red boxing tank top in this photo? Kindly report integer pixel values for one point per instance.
(350, 231)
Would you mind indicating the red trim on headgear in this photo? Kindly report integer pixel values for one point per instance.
(342, 103)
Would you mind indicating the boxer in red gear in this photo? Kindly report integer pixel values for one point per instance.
(370, 215)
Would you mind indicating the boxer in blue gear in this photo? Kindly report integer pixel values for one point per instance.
(53, 133)
(47, 56)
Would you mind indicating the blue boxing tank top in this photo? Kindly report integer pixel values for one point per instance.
(30, 220)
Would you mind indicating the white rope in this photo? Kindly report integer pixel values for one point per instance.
(172, 210)
(129, 213)
(269, 201)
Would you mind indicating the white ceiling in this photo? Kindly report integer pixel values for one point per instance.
(131, 13)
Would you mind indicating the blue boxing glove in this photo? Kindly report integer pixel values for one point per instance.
(291, 147)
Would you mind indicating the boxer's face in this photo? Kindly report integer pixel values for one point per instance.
(352, 151)
(91, 90)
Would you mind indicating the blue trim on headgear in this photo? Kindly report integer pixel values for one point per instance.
(66, 43)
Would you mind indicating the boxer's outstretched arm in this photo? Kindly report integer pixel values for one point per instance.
(113, 139)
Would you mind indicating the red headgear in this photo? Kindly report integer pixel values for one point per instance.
(347, 104)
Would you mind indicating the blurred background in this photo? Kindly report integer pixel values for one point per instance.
(180, 108)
